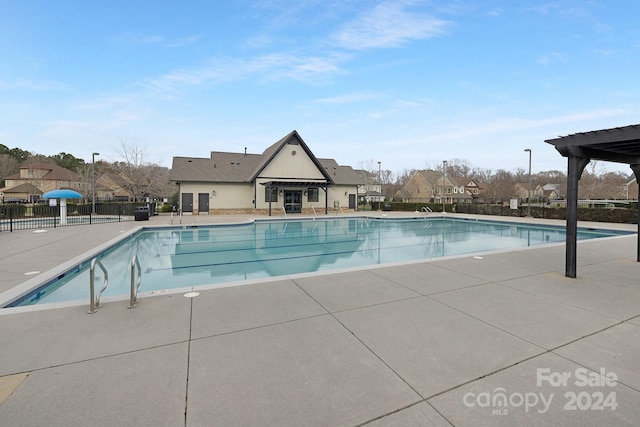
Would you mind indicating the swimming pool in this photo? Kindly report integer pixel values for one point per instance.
(187, 257)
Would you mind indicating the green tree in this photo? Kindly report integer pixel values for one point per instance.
(16, 153)
(68, 161)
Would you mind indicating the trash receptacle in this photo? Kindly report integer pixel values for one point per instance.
(141, 213)
(387, 207)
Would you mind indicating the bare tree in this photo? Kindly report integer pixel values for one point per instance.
(481, 175)
(141, 175)
(459, 168)
(589, 186)
(521, 175)
(614, 185)
(502, 186)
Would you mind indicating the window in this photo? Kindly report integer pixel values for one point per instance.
(274, 195)
(312, 194)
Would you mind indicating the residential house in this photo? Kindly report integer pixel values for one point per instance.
(546, 192)
(452, 190)
(112, 186)
(473, 188)
(22, 193)
(420, 188)
(42, 176)
(286, 176)
(371, 189)
(429, 186)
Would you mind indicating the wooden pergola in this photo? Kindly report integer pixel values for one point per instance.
(620, 145)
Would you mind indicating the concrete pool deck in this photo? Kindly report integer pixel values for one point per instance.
(498, 339)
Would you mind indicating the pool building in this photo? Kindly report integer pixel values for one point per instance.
(287, 175)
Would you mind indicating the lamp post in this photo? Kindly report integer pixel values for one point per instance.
(529, 198)
(444, 183)
(93, 182)
(379, 181)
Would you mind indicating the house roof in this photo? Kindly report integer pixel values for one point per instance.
(54, 172)
(115, 178)
(431, 176)
(245, 167)
(272, 151)
(22, 188)
(220, 167)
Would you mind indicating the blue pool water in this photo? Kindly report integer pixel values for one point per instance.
(186, 257)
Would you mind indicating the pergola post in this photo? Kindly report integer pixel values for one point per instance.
(575, 167)
(620, 145)
(636, 171)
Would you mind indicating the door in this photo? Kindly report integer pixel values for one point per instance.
(352, 201)
(203, 203)
(293, 201)
(187, 203)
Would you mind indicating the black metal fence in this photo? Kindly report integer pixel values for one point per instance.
(37, 216)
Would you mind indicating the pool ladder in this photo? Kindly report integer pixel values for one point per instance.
(94, 301)
(136, 279)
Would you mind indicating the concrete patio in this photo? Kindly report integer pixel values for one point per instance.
(498, 339)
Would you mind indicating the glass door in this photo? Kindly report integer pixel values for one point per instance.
(293, 201)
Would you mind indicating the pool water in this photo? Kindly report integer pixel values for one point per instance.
(187, 257)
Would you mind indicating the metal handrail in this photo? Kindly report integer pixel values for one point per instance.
(314, 211)
(135, 282)
(94, 302)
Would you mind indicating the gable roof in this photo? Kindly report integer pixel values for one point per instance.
(430, 175)
(23, 188)
(293, 137)
(53, 171)
(245, 167)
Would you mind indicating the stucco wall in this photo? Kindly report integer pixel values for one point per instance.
(289, 165)
(239, 196)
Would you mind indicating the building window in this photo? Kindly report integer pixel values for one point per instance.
(274, 195)
(312, 194)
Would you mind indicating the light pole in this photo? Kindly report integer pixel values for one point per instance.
(379, 182)
(93, 182)
(529, 198)
(444, 183)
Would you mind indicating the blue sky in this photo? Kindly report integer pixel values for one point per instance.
(406, 82)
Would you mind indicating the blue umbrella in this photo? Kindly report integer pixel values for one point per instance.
(63, 195)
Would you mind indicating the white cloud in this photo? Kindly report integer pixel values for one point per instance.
(348, 98)
(275, 66)
(389, 24)
(146, 39)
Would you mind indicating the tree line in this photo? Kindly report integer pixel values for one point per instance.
(145, 179)
(596, 182)
(150, 179)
